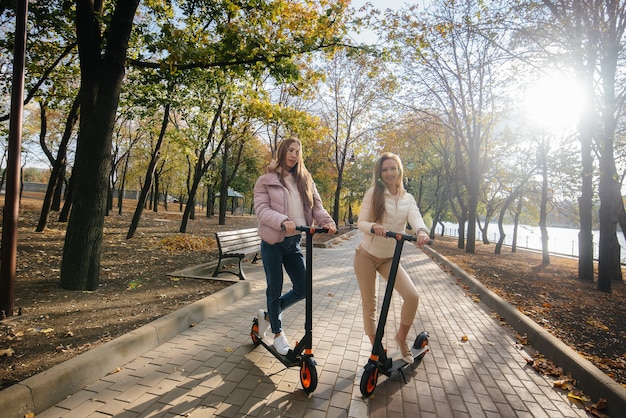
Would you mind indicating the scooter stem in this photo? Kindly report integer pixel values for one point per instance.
(378, 348)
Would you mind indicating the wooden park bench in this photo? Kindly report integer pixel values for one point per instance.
(238, 244)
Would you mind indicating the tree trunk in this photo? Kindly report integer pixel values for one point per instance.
(58, 168)
(67, 205)
(109, 204)
(57, 196)
(460, 214)
(518, 211)
(473, 190)
(337, 202)
(122, 189)
(585, 201)
(210, 209)
(608, 261)
(101, 81)
(199, 170)
(543, 205)
(149, 174)
(505, 206)
(201, 167)
(462, 221)
(223, 185)
(621, 214)
(484, 231)
(609, 267)
(155, 197)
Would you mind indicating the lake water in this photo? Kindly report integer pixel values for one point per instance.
(562, 241)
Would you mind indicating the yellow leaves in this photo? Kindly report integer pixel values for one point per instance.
(42, 330)
(6, 352)
(17, 335)
(595, 323)
(135, 284)
(578, 396)
(187, 243)
(568, 384)
(592, 409)
(117, 370)
(565, 384)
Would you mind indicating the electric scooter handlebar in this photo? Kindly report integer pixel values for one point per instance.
(399, 236)
(311, 229)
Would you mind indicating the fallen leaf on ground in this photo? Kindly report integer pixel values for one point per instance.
(6, 352)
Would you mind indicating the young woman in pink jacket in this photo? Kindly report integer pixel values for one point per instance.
(387, 207)
(285, 197)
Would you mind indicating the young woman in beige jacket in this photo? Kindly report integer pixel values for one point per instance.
(387, 207)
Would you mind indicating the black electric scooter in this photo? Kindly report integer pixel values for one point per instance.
(302, 354)
(378, 361)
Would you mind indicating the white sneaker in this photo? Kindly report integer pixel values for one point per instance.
(281, 344)
(264, 324)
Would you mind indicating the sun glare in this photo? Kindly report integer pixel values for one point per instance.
(553, 104)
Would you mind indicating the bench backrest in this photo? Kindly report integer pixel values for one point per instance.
(242, 241)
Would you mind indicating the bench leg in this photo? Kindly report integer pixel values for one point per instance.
(218, 268)
(241, 275)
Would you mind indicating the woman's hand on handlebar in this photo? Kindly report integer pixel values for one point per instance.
(379, 230)
(422, 239)
(289, 226)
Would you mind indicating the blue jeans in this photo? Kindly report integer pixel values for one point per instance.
(287, 253)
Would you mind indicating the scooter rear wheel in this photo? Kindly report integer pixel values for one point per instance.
(308, 375)
(369, 380)
(254, 331)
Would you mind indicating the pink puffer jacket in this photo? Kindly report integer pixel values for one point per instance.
(270, 206)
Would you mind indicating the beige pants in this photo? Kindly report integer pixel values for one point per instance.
(365, 268)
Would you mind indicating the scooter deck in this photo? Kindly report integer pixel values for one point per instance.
(283, 358)
(401, 364)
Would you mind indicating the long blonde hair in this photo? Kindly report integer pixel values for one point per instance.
(378, 200)
(304, 180)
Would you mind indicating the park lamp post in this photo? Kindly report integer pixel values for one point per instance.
(8, 256)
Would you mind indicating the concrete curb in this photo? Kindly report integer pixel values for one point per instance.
(591, 380)
(40, 392)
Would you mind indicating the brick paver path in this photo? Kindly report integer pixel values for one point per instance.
(213, 369)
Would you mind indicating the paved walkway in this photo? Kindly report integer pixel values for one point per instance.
(213, 369)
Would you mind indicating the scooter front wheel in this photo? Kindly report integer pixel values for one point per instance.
(308, 375)
(254, 331)
(369, 380)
